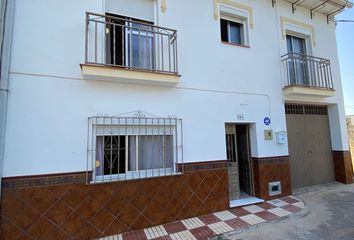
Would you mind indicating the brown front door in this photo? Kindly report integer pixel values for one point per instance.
(310, 146)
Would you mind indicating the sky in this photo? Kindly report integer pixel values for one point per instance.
(345, 41)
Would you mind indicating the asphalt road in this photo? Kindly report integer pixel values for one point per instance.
(329, 214)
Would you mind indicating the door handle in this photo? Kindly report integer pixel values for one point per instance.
(309, 151)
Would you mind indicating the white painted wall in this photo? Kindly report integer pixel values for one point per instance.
(49, 102)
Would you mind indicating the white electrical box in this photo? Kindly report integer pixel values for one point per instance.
(280, 137)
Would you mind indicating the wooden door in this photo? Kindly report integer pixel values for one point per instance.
(244, 159)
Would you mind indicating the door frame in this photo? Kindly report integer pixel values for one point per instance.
(250, 160)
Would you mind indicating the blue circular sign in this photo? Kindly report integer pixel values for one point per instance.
(266, 121)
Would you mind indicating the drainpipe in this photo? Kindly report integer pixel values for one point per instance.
(6, 24)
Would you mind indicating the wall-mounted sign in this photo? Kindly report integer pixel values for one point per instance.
(240, 116)
(266, 121)
(268, 134)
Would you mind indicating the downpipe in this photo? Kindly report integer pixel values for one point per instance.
(7, 8)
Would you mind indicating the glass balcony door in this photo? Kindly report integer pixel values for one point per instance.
(140, 46)
(298, 69)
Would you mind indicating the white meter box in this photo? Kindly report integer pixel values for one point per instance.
(280, 137)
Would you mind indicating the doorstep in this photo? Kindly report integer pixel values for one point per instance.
(245, 201)
(217, 223)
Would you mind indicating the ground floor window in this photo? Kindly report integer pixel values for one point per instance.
(120, 154)
(122, 148)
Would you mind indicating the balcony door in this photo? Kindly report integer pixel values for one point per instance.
(298, 70)
(139, 45)
(129, 42)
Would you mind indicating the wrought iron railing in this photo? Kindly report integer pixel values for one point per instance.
(307, 71)
(133, 145)
(130, 44)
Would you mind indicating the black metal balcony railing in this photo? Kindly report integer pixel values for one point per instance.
(130, 44)
(307, 71)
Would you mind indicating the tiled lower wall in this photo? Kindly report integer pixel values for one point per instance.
(64, 207)
(343, 167)
(271, 169)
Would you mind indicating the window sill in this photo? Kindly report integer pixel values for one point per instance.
(235, 44)
(136, 175)
(126, 75)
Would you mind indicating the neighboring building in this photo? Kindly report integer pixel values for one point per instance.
(126, 114)
(350, 130)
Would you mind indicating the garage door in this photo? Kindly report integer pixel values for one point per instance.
(309, 145)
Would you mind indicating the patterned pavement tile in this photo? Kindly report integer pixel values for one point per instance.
(266, 215)
(252, 219)
(266, 205)
(202, 232)
(280, 212)
(185, 235)
(239, 212)
(237, 223)
(192, 223)
(220, 227)
(174, 227)
(253, 209)
(209, 219)
(225, 215)
(155, 232)
(206, 226)
(115, 237)
(278, 203)
(290, 199)
(292, 208)
(163, 238)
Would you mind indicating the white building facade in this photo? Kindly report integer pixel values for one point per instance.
(214, 101)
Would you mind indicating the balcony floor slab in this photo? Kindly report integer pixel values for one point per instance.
(302, 91)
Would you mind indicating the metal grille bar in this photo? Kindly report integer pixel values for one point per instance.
(294, 109)
(130, 44)
(306, 109)
(133, 146)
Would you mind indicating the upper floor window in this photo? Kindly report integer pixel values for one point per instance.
(233, 26)
(232, 32)
(133, 147)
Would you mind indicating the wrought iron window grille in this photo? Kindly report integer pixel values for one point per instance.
(133, 145)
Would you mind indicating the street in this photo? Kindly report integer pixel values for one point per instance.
(329, 215)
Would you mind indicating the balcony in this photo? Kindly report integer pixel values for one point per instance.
(129, 50)
(307, 76)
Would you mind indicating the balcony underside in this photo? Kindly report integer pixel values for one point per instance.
(304, 91)
(124, 75)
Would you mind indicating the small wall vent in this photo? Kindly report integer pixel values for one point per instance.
(274, 188)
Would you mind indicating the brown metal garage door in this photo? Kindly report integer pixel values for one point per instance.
(309, 145)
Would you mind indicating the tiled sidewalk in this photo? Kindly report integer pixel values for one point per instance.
(213, 224)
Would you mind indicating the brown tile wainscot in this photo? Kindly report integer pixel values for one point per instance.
(63, 206)
(343, 167)
(270, 169)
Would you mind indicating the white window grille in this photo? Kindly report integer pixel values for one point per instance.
(133, 145)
